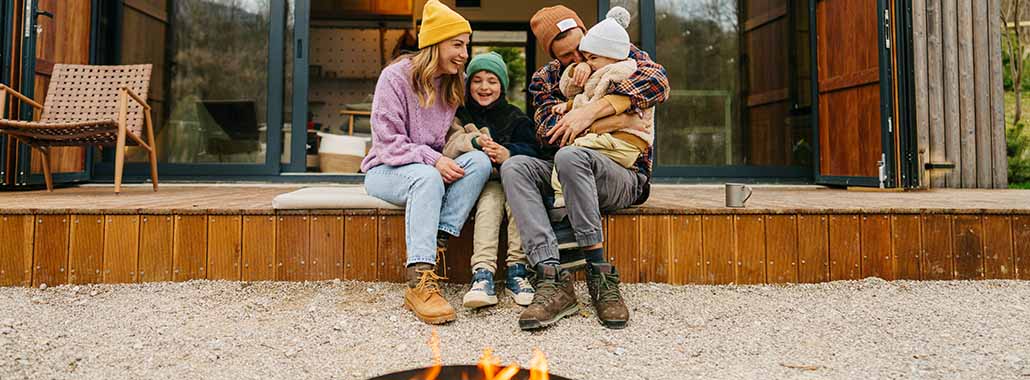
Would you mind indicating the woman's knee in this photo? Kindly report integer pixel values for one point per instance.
(426, 178)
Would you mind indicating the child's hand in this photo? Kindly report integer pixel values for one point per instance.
(560, 108)
(581, 73)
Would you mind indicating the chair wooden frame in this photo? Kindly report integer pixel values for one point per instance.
(42, 135)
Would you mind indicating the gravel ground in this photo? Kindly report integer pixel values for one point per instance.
(353, 330)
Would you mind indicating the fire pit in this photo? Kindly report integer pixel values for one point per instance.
(488, 368)
(456, 372)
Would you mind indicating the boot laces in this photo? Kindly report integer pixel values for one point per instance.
(608, 287)
(429, 281)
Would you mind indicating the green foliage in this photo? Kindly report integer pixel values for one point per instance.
(1018, 149)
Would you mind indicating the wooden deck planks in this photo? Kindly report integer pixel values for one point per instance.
(781, 248)
(907, 246)
(687, 254)
(392, 253)
(259, 247)
(845, 248)
(189, 252)
(877, 257)
(16, 249)
(326, 250)
(224, 247)
(86, 253)
(50, 245)
(750, 246)
(121, 249)
(360, 246)
(720, 251)
(813, 249)
(968, 247)
(1021, 247)
(998, 259)
(938, 263)
(156, 248)
(292, 244)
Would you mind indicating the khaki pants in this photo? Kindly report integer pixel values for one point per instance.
(622, 152)
(490, 212)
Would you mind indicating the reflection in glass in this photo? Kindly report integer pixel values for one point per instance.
(210, 80)
(739, 83)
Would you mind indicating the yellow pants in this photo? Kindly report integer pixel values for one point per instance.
(620, 151)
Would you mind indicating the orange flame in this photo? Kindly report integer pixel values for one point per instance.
(434, 371)
(488, 364)
(508, 372)
(538, 366)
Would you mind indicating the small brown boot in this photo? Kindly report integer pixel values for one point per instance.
(603, 284)
(423, 295)
(555, 299)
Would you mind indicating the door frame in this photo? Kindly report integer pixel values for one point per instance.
(888, 126)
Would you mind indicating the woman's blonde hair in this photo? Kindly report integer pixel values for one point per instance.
(424, 64)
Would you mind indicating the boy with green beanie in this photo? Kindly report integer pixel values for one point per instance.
(487, 122)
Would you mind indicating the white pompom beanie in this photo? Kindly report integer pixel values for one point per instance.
(609, 37)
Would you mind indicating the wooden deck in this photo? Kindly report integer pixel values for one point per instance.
(683, 235)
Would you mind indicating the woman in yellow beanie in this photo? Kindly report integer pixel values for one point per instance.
(414, 104)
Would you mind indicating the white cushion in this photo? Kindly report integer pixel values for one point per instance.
(330, 198)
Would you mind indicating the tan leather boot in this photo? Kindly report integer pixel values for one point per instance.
(423, 295)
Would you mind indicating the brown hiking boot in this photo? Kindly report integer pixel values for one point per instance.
(423, 295)
(603, 284)
(555, 299)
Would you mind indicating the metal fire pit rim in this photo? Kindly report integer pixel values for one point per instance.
(454, 371)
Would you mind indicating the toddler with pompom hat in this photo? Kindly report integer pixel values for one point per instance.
(606, 48)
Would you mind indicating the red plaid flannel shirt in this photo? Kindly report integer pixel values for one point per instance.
(646, 88)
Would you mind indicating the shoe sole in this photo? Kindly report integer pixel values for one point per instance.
(429, 320)
(534, 325)
(475, 303)
(516, 299)
(614, 325)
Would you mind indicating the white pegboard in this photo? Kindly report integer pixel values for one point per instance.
(328, 97)
(346, 53)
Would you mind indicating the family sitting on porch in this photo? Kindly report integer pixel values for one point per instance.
(445, 140)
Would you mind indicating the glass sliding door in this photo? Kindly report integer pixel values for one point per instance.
(338, 52)
(740, 104)
(217, 83)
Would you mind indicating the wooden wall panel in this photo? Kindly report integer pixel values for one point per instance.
(934, 148)
(360, 245)
(968, 247)
(813, 249)
(967, 93)
(687, 258)
(720, 249)
(952, 122)
(750, 242)
(156, 248)
(781, 248)
(458, 260)
(121, 249)
(189, 252)
(845, 248)
(938, 263)
(224, 247)
(326, 252)
(292, 245)
(259, 246)
(907, 246)
(1021, 246)
(877, 258)
(998, 262)
(392, 251)
(624, 247)
(86, 253)
(50, 250)
(655, 248)
(982, 89)
(16, 239)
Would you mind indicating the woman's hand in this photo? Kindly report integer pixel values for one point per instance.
(497, 152)
(449, 170)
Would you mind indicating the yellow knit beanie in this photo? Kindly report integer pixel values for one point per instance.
(440, 23)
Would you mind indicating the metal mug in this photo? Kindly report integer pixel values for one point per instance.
(737, 194)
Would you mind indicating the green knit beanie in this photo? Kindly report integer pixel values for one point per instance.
(491, 62)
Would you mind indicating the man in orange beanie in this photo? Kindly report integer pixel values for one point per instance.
(592, 181)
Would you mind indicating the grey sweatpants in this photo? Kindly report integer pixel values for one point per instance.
(593, 183)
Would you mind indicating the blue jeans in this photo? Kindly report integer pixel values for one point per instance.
(429, 204)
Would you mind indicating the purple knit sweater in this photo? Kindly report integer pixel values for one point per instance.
(402, 131)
